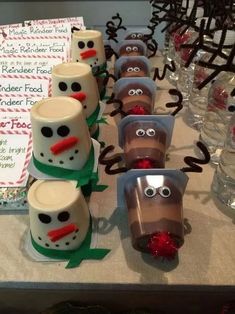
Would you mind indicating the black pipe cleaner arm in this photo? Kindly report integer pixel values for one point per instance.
(111, 161)
(178, 104)
(170, 67)
(194, 162)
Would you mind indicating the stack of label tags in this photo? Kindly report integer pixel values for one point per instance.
(27, 55)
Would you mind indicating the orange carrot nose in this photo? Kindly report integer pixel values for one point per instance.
(88, 53)
(64, 144)
(59, 233)
(81, 96)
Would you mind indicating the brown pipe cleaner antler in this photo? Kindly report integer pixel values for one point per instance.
(112, 29)
(171, 67)
(178, 103)
(109, 162)
(193, 162)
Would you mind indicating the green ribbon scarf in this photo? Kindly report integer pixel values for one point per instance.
(75, 257)
(93, 118)
(85, 177)
(101, 68)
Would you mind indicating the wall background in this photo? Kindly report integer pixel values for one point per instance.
(95, 13)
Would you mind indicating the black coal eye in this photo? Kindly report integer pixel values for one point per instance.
(46, 131)
(231, 108)
(63, 131)
(90, 44)
(164, 191)
(63, 86)
(64, 216)
(150, 191)
(76, 87)
(81, 44)
(46, 219)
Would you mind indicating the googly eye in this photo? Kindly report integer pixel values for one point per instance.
(130, 69)
(139, 92)
(128, 49)
(150, 191)
(164, 191)
(135, 48)
(140, 36)
(133, 36)
(150, 132)
(136, 69)
(140, 132)
(231, 108)
(131, 92)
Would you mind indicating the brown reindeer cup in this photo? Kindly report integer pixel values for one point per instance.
(136, 94)
(145, 139)
(132, 67)
(132, 48)
(154, 201)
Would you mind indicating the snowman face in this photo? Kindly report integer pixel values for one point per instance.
(59, 216)
(88, 47)
(76, 79)
(60, 133)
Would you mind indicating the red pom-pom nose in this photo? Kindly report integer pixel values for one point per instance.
(143, 164)
(138, 110)
(162, 245)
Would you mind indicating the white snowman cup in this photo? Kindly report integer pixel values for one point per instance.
(59, 215)
(88, 47)
(60, 134)
(76, 80)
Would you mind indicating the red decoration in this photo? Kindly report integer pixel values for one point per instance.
(88, 54)
(143, 164)
(58, 234)
(161, 244)
(81, 96)
(138, 110)
(63, 145)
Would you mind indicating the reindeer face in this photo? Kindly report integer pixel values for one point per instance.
(131, 49)
(144, 145)
(135, 35)
(133, 68)
(154, 204)
(136, 98)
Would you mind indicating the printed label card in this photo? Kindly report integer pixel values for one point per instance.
(53, 46)
(74, 21)
(40, 61)
(25, 68)
(12, 85)
(15, 147)
(18, 101)
(40, 30)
